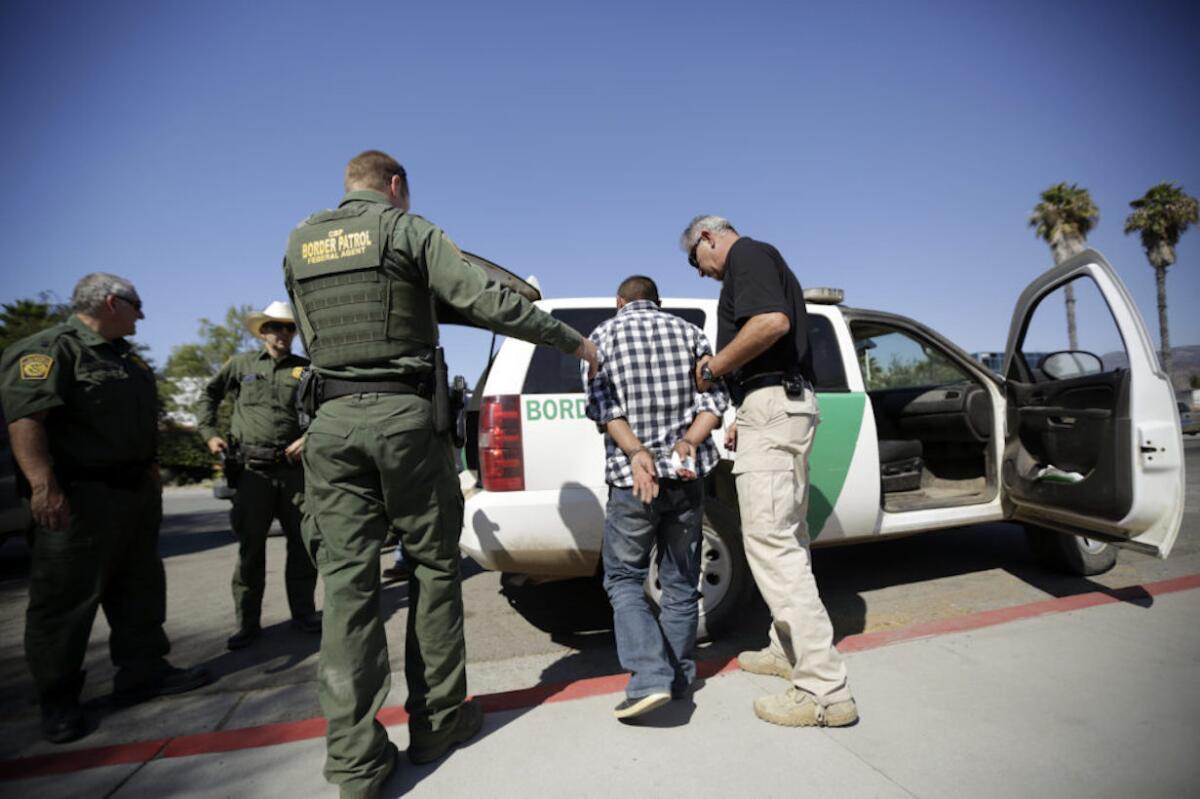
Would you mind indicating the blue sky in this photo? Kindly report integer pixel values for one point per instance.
(892, 149)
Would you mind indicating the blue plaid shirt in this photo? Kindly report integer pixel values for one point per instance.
(647, 362)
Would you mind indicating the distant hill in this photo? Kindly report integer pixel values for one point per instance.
(1185, 363)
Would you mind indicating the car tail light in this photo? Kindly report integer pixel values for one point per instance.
(501, 455)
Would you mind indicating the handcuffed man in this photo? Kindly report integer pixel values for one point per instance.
(658, 447)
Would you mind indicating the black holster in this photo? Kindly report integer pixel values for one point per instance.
(448, 401)
(233, 463)
(307, 396)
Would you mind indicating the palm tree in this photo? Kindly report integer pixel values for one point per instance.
(1161, 216)
(1062, 219)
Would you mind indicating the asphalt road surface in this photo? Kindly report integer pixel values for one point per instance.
(546, 633)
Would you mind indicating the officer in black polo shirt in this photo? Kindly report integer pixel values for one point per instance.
(762, 347)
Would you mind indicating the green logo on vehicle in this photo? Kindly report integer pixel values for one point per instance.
(553, 409)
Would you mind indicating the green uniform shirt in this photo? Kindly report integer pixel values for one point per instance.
(421, 253)
(101, 397)
(264, 390)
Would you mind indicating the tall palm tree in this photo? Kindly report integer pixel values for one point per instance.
(1062, 219)
(1161, 217)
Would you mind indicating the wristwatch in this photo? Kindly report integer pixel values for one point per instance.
(706, 374)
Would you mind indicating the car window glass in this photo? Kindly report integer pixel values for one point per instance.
(894, 359)
(1048, 330)
(555, 372)
(829, 370)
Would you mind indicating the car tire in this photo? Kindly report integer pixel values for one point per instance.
(1070, 553)
(724, 576)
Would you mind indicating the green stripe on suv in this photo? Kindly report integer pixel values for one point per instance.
(832, 451)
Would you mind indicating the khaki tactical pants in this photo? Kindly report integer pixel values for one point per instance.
(774, 435)
(372, 461)
(265, 494)
(108, 557)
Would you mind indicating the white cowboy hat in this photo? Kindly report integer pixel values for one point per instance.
(275, 312)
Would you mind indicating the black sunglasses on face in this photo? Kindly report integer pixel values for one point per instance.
(278, 327)
(136, 303)
(692, 255)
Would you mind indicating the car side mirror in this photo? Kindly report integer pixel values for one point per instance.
(1070, 363)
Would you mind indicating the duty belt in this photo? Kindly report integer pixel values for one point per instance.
(419, 384)
(762, 381)
(261, 454)
(795, 385)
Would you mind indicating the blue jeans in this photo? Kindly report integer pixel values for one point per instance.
(657, 652)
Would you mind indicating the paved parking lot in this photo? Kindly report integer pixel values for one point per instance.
(559, 635)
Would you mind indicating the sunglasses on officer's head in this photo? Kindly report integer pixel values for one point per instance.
(278, 327)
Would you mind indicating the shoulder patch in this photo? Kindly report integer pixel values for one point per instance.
(297, 371)
(36, 366)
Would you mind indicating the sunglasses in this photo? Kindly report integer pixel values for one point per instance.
(692, 255)
(278, 327)
(136, 303)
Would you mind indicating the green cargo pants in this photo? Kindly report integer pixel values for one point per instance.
(264, 494)
(371, 462)
(108, 557)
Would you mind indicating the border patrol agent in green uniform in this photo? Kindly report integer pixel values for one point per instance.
(82, 409)
(268, 442)
(364, 279)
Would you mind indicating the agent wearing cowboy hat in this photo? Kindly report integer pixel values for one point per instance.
(266, 426)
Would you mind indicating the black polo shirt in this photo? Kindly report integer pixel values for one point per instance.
(757, 281)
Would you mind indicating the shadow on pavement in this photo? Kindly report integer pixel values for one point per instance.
(844, 574)
(275, 641)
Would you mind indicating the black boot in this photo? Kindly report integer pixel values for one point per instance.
(243, 637)
(63, 722)
(308, 622)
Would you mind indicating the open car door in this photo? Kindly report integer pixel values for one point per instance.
(495, 274)
(1092, 448)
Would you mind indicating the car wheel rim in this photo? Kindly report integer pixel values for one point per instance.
(716, 572)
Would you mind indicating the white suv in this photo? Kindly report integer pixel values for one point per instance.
(915, 435)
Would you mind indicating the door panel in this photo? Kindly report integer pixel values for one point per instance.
(1077, 426)
(1090, 450)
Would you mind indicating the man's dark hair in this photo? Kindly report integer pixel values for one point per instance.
(638, 287)
(373, 169)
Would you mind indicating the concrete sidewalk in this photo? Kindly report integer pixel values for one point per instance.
(1096, 701)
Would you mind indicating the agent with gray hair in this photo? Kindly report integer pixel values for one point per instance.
(82, 412)
(762, 348)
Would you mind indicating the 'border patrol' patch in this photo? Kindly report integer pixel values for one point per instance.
(297, 371)
(35, 366)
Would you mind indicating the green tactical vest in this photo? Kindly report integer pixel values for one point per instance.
(352, 311)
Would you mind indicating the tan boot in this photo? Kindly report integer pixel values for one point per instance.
(796, 708)
(764, 661)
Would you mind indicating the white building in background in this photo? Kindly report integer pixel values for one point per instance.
(187, 393)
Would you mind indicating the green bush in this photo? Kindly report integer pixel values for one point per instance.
(183, 456)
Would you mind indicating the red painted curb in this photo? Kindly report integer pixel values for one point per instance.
(116, 755)
(307, 729)
(990, 618)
